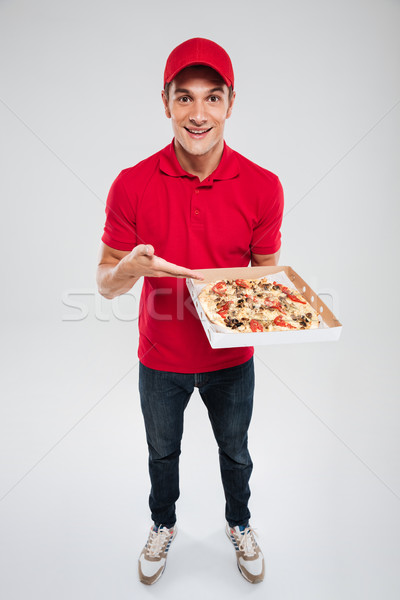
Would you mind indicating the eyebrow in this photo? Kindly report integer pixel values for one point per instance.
(185, 91)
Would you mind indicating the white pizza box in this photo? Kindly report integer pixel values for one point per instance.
(329, 327)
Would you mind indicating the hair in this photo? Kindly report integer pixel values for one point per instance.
(166, 90)
(167, 86)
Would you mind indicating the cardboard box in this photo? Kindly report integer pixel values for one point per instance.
(329, 330)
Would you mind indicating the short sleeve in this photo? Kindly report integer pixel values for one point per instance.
(120, 225)
(267, 233)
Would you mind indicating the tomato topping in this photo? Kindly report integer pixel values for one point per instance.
(281, 323)
(295, 299)
(219, 288)
(274, 304)
(242, 283)
(224, 309)
(291, 296)
(256, 325)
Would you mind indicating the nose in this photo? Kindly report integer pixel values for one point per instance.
(198, 114)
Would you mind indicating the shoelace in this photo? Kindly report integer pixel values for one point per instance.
(156, 541)
(247, 543)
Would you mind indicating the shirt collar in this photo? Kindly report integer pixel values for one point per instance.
(228, 167)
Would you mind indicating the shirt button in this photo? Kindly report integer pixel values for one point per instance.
(196, 191)
(197, 212)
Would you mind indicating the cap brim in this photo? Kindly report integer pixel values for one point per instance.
(192, 64)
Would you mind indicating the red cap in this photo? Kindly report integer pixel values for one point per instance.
(199, 51)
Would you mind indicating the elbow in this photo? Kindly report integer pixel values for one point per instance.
(106, 295)
(103, 291)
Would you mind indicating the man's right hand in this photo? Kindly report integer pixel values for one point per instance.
(119, 270)
(143, 261)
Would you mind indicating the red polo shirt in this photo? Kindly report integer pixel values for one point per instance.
(217, 222)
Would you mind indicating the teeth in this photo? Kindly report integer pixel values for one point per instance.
(197, 131)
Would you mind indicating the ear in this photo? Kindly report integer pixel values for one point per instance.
(228, 114)
(165, 102)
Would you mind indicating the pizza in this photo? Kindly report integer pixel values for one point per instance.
(255, 305)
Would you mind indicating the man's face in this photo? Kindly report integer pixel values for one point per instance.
(198, 104)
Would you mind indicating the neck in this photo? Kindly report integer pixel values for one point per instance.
(203, 165)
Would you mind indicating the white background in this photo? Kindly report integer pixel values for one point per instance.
(318, 96)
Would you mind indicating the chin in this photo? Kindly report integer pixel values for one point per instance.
(195, 150)
(198, 152)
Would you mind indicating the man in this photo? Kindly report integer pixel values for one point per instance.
(200, 204)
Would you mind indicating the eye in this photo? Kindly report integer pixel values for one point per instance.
(214, 98)
(184, 99)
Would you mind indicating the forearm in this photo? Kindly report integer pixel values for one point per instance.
(113, 280)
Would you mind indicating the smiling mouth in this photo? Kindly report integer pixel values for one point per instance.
(198, 132)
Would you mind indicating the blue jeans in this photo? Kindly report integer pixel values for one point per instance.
(228, 396)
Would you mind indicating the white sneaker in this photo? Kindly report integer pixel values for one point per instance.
(249, 557)
(153, 557)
